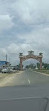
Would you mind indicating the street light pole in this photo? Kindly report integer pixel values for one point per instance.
(6, 57)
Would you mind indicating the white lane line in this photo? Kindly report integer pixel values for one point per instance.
(29, 81)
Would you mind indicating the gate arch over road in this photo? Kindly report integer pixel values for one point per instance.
(30, 55)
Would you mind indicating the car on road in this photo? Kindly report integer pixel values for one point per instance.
(5, 70)
(8, 70)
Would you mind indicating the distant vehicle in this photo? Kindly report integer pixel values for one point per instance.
(12, 71)
(36, 68)
(8, 70)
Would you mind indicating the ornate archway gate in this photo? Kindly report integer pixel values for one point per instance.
(30, 55)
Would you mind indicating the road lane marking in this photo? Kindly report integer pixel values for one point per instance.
(29, 81)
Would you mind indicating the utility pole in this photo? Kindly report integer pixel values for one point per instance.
(6, 57)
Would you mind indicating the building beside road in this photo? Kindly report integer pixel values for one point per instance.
(4, 63)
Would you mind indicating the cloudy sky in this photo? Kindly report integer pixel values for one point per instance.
(24, 25)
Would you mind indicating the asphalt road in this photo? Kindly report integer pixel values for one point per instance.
(27, 77)
(30, 77)
(32, 93)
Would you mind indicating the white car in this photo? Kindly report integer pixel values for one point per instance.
(6, 70)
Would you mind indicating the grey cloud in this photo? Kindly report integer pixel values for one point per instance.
(27, 22)
(5, 22)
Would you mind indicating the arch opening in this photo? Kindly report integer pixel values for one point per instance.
(30, 64)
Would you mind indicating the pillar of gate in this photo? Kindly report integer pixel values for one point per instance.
(40, 63)
(20, 56)
(41, 55)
